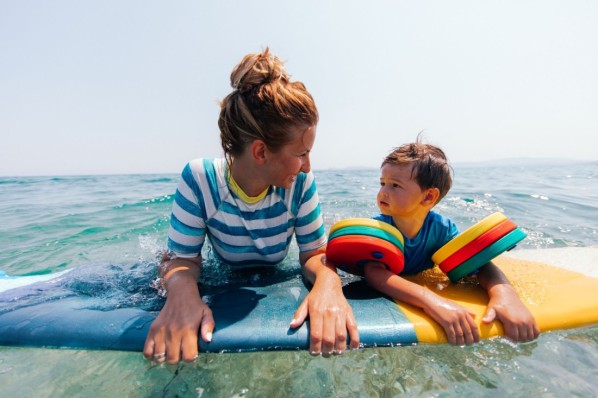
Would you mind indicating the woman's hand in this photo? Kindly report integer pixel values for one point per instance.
(330, 315)
(173, 334)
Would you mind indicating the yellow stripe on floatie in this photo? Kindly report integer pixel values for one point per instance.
(368, 222)
(467, 236)
(557, 298)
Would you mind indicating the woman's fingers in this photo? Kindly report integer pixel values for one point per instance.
(353, 332)
(328, 328)
(316, 330)
(300, 315)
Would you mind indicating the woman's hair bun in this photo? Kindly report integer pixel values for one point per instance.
(257, 69)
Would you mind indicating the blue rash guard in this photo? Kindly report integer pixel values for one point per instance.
(434, 233)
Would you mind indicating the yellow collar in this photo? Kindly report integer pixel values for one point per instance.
(241, 194)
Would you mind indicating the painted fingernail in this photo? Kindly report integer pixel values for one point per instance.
(208, 337)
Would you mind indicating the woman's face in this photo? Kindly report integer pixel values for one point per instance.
(292, 158)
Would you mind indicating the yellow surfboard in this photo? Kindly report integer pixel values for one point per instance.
(558, 298)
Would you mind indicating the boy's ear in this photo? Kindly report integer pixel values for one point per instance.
(258, 151)
(430, 197)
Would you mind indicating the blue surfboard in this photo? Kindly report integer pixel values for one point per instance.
(249, 317)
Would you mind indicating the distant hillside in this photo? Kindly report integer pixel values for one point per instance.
(523, 162)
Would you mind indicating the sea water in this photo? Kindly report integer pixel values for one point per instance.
(112, 229)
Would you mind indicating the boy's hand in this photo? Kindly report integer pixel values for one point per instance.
(518, 322)
(457, 321)
(506, 306)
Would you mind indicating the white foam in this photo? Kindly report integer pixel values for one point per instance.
(579, 259)
(8, 282)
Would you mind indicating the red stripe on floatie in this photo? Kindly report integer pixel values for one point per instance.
(348, 251)
(477, 245)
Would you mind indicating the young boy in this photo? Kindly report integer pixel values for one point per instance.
(414, 178)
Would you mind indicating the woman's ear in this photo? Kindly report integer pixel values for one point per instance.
(258, 151)
(430, 197)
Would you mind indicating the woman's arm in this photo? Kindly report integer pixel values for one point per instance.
(330, 315)
(506, 306)
(173, 334)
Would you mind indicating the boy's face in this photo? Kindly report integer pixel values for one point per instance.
(399, 194)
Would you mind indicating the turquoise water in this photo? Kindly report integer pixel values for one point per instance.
(112, 229)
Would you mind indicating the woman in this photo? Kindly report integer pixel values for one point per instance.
(250, 204)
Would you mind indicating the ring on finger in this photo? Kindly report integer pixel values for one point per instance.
(160, 355)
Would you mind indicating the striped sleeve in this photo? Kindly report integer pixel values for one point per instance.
(187, 231)
(309, 224)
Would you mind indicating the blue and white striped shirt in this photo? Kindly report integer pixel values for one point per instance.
(242, 233)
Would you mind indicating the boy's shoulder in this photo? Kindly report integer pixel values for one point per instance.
(384, 218)
(439, 221)
(440, 224)
(436, 217)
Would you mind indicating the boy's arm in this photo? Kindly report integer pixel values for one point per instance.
(506, 306)
(457, 321)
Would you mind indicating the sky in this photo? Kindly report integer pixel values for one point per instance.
(123, 86)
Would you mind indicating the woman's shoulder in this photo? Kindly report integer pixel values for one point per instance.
(203, 163)
(206, 166)
(304, 184)
(204, 169)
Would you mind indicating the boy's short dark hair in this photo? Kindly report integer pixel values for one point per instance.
(430, 167)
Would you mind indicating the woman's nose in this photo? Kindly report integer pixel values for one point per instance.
(306, 165)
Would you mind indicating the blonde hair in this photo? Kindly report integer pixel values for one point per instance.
(264, 105)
